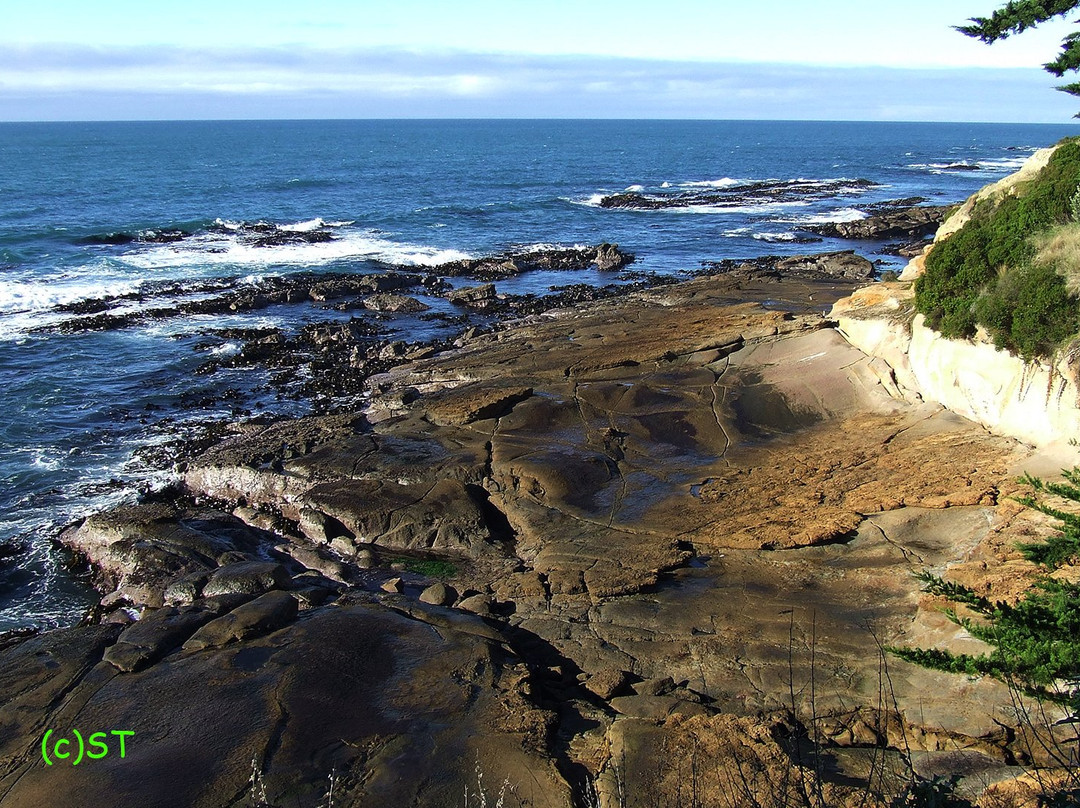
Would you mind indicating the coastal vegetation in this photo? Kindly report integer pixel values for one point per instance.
(1017, 16)
(1034, 641)
(1006, 269)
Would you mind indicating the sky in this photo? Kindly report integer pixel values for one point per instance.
(784, 59)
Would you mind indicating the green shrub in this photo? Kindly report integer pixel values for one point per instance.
(984, 274)
(1028, 311)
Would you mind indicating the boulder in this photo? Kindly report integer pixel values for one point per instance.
(478, 296)
(261, 616)
(907, 223)
(400, 304)
(246, 578)
(439, 595)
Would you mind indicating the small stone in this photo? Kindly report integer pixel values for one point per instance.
(365, 559)
(607, 684)
(393, 585)
(654, 687)
(343, 545)
(439, 595)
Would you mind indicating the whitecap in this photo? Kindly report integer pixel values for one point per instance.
(830, 217)
(636, 189)
(214, 249)
(774, 238)
(227, 349)
(27, 295)
(303, 227)
(590, 202)
(723, 182)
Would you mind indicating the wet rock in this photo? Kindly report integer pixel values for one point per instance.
(141, 549)
(395, 303)
(439, 595)
(246, 578)
(186, 589)
(10, 550)
(907, 223)
(266, 613)
(478, 296)
(737, 194)
(315, 560)
(156, 633)
(609, 258)
(346, 547)
(838, 264)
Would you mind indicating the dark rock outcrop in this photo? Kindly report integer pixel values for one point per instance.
(907, 223)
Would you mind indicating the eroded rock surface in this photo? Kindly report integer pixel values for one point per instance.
(665, 519)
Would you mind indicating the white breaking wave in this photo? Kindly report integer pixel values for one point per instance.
(775, 237)
(832, 217)
(762, 207)
(214, 249)
(310, 225)
(637, 189)
(989, 165)
(27, 295)
(724, 182)
(591, 202)
(228, 349)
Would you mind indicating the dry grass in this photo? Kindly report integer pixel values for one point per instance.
(1060, 247)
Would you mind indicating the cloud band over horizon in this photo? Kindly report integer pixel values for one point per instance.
(67, 82)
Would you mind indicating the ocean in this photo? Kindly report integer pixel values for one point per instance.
(126, 219)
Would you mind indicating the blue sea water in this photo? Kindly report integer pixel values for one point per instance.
(77, 406)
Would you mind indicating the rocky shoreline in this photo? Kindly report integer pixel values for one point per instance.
(678, 517)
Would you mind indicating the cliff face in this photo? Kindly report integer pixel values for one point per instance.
(1037, 402)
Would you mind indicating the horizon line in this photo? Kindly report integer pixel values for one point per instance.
(1075, 120)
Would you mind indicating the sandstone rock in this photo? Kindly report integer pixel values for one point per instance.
(439, 595)
(261, 616)
(390, 705)
(654, 687)
(393, 585)
(655, 708)
(247, 578)
(476, 402)
(158, 632)
(838, 264)
(608, 683)
(477, 604)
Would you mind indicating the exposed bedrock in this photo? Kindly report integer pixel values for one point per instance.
(907, 223)
(666, 515)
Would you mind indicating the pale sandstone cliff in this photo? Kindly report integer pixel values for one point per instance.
(1035, 402)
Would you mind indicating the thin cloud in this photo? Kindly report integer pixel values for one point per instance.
(50, 82)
